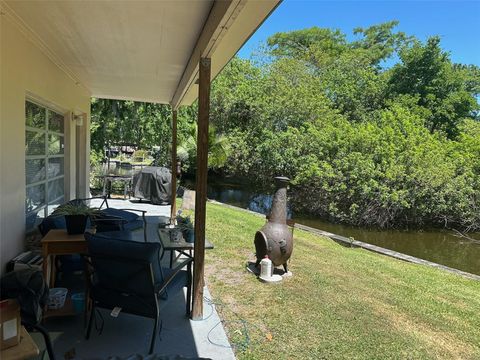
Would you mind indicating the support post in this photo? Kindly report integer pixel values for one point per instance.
(173, 206)
(201, 187)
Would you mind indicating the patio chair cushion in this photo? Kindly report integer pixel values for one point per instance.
(124, 214)
(52, 222)
(55, 222)
(133, 225)
(117, 219)
(105, 223)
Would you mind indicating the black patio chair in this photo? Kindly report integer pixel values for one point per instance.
(128, 275)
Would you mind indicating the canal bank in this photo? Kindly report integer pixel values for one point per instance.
(436, 245)
(350, 242)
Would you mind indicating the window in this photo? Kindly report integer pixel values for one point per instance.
(44, 162)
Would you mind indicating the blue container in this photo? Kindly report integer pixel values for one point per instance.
(189, 236)
(78, 301)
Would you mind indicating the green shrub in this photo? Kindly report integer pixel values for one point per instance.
(389, 172)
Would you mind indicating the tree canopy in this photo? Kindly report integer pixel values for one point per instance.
(365, 143)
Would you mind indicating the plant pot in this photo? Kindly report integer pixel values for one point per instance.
(76, 224)
(189, 235)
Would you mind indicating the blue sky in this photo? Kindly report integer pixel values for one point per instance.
(456, 22)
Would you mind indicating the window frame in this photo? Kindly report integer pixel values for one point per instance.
(46, 206)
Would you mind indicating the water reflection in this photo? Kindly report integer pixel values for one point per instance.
(438, 246)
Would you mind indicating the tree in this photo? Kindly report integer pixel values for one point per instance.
(218, 150)
(446, 91)
(347, 73)
(320, 46)
(233, 96)
(116, 122)
(356, 139)
(379, 42)
(306, 44)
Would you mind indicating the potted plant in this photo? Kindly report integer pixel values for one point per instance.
(76, 216)
(185, 225)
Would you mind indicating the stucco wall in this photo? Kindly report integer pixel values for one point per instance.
(25, 69)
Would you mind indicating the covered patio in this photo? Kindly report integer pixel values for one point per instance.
(56, 56)
(130, 334)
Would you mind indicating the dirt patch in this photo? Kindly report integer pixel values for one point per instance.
(220, 270)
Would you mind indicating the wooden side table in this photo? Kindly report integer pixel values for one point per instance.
(58, 242)
(25, 349)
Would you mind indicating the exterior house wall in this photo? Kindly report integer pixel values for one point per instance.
(27, 72)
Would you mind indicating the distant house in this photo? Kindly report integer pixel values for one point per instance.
(114, 151)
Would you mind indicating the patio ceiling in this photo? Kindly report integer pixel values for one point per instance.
(139, 50)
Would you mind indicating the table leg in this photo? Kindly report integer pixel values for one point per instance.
(45, 263)
(104, 186)
(87, 306)
(189, 289)
(53, 270)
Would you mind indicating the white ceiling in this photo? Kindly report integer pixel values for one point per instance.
(137, 50)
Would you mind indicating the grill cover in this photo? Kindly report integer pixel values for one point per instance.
(153, 183)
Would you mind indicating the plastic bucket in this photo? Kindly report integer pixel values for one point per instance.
(78, 301)
(56, 298)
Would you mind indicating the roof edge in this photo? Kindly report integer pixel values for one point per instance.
(241, 14)
(212, 29)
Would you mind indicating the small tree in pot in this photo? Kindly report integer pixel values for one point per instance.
(76, 216)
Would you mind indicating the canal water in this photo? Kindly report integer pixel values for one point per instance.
(440, 246)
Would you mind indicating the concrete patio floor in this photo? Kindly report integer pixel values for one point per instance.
(129, 334)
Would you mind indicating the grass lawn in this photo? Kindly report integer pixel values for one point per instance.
(341, 303)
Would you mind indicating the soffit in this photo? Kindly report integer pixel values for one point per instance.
(119, 49)
(139, 50)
